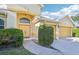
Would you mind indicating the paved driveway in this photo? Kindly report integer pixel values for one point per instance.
(67, 46)
(39, 50)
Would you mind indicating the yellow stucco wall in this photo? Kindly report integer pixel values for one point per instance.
(25, 27)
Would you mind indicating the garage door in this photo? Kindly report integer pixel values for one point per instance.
(64, 32)
(26, 30)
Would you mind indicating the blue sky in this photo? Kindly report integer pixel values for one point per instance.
(59, 10)
(54, 7)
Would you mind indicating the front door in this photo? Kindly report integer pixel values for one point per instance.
(25, 26)
(26, 30)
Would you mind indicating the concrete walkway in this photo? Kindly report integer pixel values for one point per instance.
(39, 50)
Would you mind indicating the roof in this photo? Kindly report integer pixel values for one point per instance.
(46, 19)
(76, 22)
(58, 19)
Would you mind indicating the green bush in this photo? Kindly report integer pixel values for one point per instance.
(75, 32)
(11, 37)
(45, 35)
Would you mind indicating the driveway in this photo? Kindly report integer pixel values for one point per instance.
(39, 50)
(68, 46)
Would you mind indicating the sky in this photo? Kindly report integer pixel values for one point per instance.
(54, 7)
(58, 10)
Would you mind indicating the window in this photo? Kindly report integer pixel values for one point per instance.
(24, 20)
(1, 24)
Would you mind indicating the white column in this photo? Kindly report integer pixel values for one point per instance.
(11, 19)
(57, 32)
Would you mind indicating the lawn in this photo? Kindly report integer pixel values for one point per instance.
(76, 31)
(16, 51)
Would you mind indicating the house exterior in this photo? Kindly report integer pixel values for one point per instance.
(62, 26)
(65, 26)
(26, 17)
(19, 16)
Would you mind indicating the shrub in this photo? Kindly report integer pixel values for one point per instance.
(11, 37)
(45, 35)
(75, 32)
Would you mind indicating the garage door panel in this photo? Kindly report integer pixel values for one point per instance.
(65, 31)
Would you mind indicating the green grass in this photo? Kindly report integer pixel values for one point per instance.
(76, 31)
(16, 51)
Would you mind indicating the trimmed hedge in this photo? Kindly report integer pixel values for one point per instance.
(45, 35)
(12, 37)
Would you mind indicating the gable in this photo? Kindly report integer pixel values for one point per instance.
(66, 21)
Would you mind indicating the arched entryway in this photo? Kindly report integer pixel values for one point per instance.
(25, 26)
(1, 24)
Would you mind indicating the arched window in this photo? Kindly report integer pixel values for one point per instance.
(1, 24)
(24, 20)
